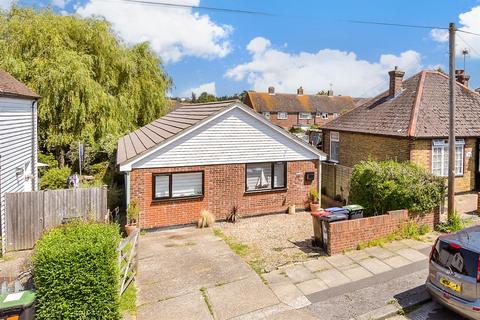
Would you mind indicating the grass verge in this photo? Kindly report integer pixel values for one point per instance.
(128, 300)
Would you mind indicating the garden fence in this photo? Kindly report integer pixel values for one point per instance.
(28, 214)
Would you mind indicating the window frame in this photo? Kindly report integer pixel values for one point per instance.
(266, 114)
(272, 168)
(324, 115)
(282, 118)
(302, 118)
(334, 139)
(170, 186)
(442, 145)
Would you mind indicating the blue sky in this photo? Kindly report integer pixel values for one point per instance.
(305, 43)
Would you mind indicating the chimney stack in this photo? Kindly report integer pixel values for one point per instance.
(300, 91)
(396, 78)
(271, 90)
(461, 77)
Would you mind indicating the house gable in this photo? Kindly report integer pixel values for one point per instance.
(235, 136)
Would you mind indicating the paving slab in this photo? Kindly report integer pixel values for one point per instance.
(357, 255)
(339, 260)
(397, 261)
(311, 286)
(189, 306)
(264, 312)
(298, 273)
(379, 252)
(240, 297)
(319, 264)
(289, 294)
(275, 276)
(412, 255)
(374, 265)
(415, 244)
(332, 277)
(357, 273)
(293, 314)
(395, 245)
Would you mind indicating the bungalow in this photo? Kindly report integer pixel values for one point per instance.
(289, 110)
(18, 140)
(409, 122)
(215, 156)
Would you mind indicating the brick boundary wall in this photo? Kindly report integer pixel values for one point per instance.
(346, 235)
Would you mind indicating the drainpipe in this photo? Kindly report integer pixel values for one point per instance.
(127, 188)
(34, 146)
(319, 178)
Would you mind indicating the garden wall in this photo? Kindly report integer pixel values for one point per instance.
(346, 235)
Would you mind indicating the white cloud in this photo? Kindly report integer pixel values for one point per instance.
(59, 3)
(5, 4)
(468, 21)
(206, 87)
(173, 32)
(316, 71)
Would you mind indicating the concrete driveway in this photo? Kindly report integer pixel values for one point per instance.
(191, 274)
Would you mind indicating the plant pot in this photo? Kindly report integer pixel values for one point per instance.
(291, 209)
(129, 228)
(314, 207)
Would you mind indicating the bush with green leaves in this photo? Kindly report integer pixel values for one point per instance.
(76, 273)
(390, 185)
(55, 178)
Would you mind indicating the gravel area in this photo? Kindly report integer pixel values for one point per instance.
(275, 239)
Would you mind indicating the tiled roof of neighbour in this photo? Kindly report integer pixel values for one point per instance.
(263, 102)
(419, 110)
(182, 118)
(9, 86)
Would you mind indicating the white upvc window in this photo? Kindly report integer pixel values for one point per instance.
(324, 115)
(440, 157)
(334, 146)
(266, 114)
(177, 185)
(304, 115)
(282, 115)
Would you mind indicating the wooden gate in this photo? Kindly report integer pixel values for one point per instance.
(127, 260)
(28, 214)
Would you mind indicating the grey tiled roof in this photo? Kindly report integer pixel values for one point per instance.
(263, 101)
(419, 110)
(182, 118)
(9, 86)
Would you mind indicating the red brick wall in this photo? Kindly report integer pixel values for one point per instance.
(224, 188)
(346, 235)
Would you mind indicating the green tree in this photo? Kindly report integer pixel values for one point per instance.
(94, 87)
(206, 97)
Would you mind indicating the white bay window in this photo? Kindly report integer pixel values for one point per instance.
(440, 157)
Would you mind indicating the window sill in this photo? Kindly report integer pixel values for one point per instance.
(250, 192)
(176, 198)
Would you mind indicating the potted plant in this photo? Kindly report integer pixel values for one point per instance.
(133, 211)
(314, 205)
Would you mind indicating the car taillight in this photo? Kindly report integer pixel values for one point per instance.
(478, 269)
(433, 249)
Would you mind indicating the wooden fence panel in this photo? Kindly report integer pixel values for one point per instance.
(28, 214)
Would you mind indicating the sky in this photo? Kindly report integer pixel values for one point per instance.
(308, 43)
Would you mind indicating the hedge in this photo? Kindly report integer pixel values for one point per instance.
(391, 185)
(76, 273)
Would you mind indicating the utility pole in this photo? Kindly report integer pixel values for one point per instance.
(451, 122)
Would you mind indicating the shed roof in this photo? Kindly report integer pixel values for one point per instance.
(9, 86)
(419, 110)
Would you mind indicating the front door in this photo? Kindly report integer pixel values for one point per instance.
(477, 165)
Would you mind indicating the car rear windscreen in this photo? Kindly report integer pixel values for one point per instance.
(455, 258)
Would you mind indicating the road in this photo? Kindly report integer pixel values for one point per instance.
(430, 311)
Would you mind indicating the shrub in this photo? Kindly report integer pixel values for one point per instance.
(423, 229)
(314, 195)
(454, 223)
(389, 185)
(55, 178)
(207, 219)
(76, 273)
(133, 211)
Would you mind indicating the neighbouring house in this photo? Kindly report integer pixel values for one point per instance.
(296, 110)
(18, 139)
(220, 157)
(409, 122)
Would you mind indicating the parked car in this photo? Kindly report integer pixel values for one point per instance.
(454, 272)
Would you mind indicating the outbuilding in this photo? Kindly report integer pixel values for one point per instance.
(220, 157)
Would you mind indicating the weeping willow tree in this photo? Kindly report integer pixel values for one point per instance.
(94, 87)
